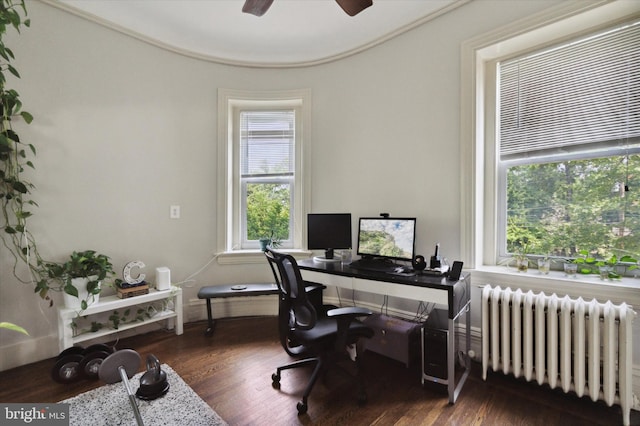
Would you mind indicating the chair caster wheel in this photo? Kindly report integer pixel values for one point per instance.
(302, 408)
(275, 381)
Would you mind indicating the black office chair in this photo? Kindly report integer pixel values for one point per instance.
(314, 293)
(323, 336)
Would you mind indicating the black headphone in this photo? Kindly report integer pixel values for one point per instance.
(418, 263)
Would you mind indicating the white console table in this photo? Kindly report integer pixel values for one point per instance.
(111, 303)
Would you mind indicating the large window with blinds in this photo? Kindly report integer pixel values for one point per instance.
(568, 147)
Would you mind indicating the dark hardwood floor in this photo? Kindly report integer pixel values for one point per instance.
(232, 371)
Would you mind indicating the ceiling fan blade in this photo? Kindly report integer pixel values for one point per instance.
(256, 7)
(353, 7)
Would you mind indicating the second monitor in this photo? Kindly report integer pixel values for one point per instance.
(328, 231)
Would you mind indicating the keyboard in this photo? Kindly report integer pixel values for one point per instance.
(374, 266)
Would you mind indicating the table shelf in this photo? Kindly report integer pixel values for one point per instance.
(173, 316)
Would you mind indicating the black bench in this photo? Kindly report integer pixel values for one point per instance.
(235, 290)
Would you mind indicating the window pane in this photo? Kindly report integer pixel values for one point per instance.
(563, 207)
(266, 143)
(268, 210)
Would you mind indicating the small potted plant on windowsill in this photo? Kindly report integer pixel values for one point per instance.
(521, 256)
(82, 276)
(583, 264)
(544, 264)
(614, 268)
(270, 241)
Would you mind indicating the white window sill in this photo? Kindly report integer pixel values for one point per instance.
(244, 257)
(585, 286)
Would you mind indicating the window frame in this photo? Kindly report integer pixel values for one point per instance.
(230, 102)
(481, 189)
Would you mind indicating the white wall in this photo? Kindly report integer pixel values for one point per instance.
(124, 130)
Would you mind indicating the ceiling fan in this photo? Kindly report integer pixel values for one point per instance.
(351, 7)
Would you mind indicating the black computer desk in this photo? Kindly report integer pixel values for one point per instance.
(455, 295)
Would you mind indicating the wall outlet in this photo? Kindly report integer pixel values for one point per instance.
(174, 212)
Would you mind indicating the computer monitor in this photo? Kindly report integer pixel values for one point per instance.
(387, 238)
(328, 231)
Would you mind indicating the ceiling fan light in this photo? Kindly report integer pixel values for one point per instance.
(353, 7)
(256, 7)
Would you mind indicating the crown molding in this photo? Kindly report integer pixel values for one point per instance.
(253, 64)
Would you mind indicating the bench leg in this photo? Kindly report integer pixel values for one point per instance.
(211, 323)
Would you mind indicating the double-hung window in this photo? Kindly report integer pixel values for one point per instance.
(267, 174)
(550, 136)
(263, 168)
(568, 147)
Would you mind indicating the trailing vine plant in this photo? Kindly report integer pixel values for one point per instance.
(16, 156)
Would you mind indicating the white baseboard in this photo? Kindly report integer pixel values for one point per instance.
(28, 351)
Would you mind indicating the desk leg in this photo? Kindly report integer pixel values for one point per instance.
(210, 323)
(454, 388)
(179, 313)
(451, 361)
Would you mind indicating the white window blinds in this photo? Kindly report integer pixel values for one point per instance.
(267, 140)
(575, 97)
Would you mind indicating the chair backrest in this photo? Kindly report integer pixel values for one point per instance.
(295, 308)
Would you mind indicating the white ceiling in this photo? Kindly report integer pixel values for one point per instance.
(291, 33)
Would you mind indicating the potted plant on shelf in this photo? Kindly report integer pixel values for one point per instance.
(82, 276)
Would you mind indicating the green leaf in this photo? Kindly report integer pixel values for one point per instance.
(28, 118)
(11, 135)
(13, 327)
(23, 214)
(9, 230)
(13, 71)
(71, 290)
(4, 141)
(20, 187)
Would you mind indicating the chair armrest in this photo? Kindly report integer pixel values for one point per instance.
(344, 317)
(311, 285)
(352, 311)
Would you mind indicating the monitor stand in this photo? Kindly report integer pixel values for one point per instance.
(328, 257)
(325, 260)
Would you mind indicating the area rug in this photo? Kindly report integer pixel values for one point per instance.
(109, 405)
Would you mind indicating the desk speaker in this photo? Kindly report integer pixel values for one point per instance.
(163, 278)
